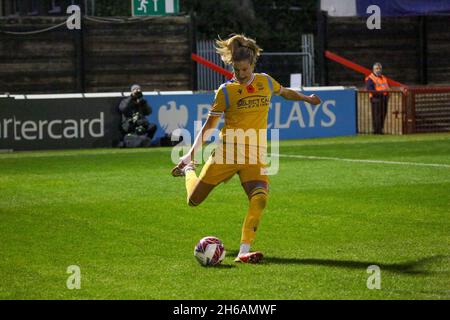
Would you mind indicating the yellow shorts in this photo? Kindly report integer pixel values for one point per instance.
(216, 172)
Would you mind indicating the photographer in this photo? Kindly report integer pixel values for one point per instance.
(136, 129)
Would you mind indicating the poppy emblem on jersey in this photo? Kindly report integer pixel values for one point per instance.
(250, 89)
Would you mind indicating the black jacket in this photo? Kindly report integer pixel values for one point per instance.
(129, 106)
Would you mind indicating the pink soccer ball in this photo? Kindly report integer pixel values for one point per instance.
(209, 251)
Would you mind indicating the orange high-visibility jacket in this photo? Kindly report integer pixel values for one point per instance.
(381, 83)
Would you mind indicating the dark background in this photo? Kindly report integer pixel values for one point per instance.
(111, 52)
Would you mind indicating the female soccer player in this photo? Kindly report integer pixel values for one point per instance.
(244, 101)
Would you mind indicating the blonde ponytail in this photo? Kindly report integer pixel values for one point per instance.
(238, 48)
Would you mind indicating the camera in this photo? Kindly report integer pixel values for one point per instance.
(138, 96)
(140, 130)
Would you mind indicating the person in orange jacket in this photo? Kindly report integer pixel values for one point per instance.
(376, 81)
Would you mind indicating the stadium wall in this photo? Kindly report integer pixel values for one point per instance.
(412, 50)
(106, 55)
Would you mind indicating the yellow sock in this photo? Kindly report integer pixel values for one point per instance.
(256, 206)
(191, 182)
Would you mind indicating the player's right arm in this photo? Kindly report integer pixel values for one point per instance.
(202, 136)
(216, 111)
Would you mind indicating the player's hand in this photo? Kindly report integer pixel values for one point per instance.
(313, 99)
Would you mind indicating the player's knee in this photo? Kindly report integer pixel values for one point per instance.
(259, 198)
(199, 194)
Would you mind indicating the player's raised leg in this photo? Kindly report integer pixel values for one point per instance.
(196, 189)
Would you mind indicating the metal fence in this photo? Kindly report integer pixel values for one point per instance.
(208, 79)
(384, 113)
(431, 108)
(280, 65)
(308, 59)
(412, 110)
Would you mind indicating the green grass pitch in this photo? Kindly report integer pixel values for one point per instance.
(121, 217)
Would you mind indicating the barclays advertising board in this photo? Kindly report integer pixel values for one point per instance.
(335, 116)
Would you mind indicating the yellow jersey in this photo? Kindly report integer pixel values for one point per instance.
(245, 106)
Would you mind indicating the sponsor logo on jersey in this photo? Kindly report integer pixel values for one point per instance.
(253, 102)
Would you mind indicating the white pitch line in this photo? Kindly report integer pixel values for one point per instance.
(365, 160)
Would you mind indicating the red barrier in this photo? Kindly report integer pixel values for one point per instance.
(358, 68)
(211, 65)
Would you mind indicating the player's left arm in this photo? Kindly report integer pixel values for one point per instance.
(290, 94)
